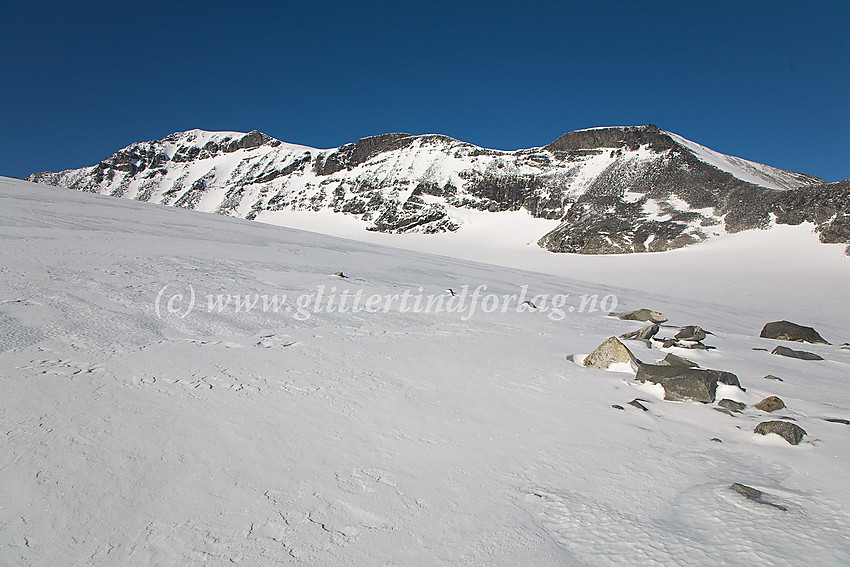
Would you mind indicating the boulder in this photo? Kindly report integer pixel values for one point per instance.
(691, 333)
(673, 360)
(641, 315)
(731, 405)
(772, 377)
(680, 384)
(788, 331)
(612, 351)
(801, 354)
(791, 432)
(769, 404)
(642, 334)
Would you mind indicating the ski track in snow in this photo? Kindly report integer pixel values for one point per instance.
(387, 438)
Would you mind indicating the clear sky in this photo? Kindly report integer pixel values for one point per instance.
(768, 81)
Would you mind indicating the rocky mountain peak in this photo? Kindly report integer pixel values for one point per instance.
(631, 137)
(614, 189)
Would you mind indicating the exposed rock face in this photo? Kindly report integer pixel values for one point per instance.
(612, 351)
(614, 190)
(680, 384)
(791, 432)
(788, 331)
(801, 354)
(641, 315)
(770, 403)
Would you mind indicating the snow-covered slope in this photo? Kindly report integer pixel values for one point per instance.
(625, 189)
(138, 431)
(745, 170)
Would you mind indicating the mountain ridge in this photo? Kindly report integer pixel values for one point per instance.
(615, 189)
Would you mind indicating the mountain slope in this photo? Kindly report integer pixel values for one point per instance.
(624, 189)
(139, 432)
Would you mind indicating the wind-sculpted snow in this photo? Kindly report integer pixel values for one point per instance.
(133, 435)
(617, 190)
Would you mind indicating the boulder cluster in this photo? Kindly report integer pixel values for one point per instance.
(685, 381)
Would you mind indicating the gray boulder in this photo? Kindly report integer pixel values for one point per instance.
(788, 331)
(686, 383)
(801, 354)
(642, 334)
(641, 315)
(770, 403)
(691, 333)
(732, 405)
(772, 377)
(791, 432)
(610, 352)
(680, 384)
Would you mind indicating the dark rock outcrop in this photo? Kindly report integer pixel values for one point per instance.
(801, 354)
(788, 331)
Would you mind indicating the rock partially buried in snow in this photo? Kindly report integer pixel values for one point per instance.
(837, 420)
(755, 495)
(791, 432)
(788, 331)
(609, 353)
(732, 405)
(691, 333)
(667, 343)
(772, 377)
(769, 404)
(673, 360)
(728, 378)
(641, 315)
(643, 334)
(801, 354)
(680, 384)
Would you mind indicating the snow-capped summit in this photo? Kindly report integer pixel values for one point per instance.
(615, 189)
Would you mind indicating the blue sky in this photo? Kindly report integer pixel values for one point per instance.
(768, 81)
